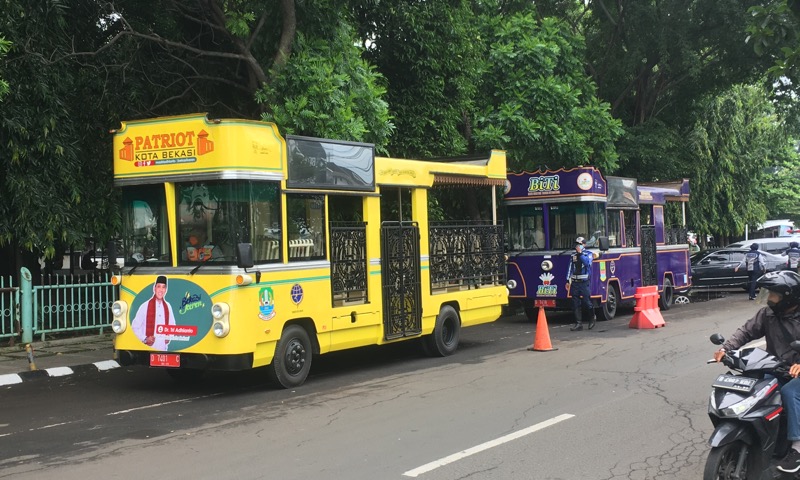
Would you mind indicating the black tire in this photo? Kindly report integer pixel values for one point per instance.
(722, 461)
(292, 361)
(667, 296)
(532, 313)
(444, 339)
(608, 310)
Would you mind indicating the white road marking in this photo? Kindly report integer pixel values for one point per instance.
(10, 379)
(58, 371)
(156, 405)
(485, 446)
(106, 365)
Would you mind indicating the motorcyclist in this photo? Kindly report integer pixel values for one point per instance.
(779, 324)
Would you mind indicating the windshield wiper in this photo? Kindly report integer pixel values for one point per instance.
(212, 259)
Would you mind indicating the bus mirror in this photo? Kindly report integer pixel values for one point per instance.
(245, 255)
(602, 243)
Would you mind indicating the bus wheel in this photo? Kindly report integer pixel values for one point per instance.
(609, 309)
(532, 313)
(667, 295)
(292, 361)
(444, 339)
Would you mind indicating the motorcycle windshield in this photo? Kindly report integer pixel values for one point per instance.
(755, 359)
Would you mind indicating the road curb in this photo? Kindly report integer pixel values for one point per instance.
(15, 378)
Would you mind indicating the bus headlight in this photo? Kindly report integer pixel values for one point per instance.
(118, 309)
(547, 265)
(221, 326)
(512, 284)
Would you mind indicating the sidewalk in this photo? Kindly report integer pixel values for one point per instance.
(55, 358)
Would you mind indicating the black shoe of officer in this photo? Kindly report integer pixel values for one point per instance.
(576, 328)
(592, 322)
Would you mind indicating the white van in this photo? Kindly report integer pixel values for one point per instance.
(770, 245)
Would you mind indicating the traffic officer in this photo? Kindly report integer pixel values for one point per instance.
(793, 263)
(756, 265)
(579, 276)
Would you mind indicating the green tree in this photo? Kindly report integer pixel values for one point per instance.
(653, 59)
(328, 90)
(5, 46)
(42, 184)
(538, 103)
(781, 183)
(432, 56)
(735, 140)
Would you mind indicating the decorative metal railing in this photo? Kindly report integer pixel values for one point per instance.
(676, 235)
(468, 255)
(348, 262)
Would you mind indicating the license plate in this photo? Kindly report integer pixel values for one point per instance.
(733, 382)
(545, 303)
(172, 360)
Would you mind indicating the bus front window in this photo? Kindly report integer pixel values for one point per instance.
(569, 221)
(207, 221)
(145, 235)
(526, 227)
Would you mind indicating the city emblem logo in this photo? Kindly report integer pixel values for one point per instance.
(547, 288)
(585, 181)
(266, 307)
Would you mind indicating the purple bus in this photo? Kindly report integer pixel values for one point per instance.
(623, 223)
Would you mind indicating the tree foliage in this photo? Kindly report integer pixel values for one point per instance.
(639, 87)
(432, 56)
(538, 103)
(731, 147)
(328, 90)
(652, 59)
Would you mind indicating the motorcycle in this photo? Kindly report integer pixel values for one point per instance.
(747, 413)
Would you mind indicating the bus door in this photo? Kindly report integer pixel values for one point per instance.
(400, 271)
(649, 270)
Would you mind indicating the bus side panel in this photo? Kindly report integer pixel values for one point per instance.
(356, 327)
(624, 268)
(673, 261)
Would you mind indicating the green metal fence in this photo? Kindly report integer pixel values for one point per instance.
(55, 304)
(9, 308)
(64, 303)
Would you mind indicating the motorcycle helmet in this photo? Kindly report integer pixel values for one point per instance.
(793, 245)
(784, 283)
(580, 240)
(753, 246)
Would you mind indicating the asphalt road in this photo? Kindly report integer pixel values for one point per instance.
(611, 403)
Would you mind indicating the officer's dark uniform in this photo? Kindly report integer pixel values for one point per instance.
(756, 264)
(793, 263)
(580, 276)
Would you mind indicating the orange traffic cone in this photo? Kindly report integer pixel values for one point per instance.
(541, 342)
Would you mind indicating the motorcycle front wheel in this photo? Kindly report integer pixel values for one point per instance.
(722, 461)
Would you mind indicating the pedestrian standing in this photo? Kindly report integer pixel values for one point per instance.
(579, 276)
(756, 265)
(793, 262)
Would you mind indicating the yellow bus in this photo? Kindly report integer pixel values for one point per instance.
(245, 249)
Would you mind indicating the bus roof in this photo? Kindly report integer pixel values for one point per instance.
(588, 184)
(169, 148)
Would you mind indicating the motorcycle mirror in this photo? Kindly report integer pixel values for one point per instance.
(718, 339)
(795, 345)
